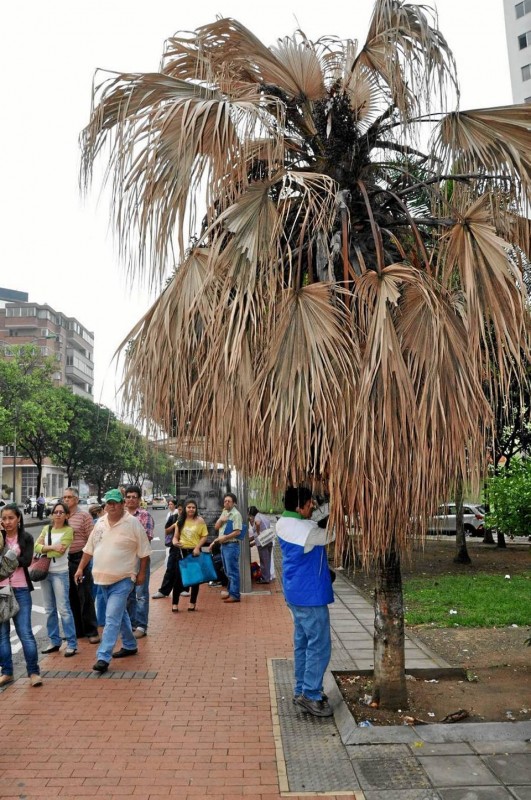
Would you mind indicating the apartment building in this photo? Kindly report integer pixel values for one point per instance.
(518, 32)
(72, 347)
(57, 335)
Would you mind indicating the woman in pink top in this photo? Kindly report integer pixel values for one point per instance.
(13, 534)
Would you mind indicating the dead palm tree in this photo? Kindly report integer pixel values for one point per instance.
(334, 315)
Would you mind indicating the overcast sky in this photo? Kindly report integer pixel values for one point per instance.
(57, 247)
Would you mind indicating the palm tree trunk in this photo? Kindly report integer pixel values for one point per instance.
(461, 555)
(389, 658)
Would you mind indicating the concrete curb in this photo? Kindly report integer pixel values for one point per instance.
(351, 734)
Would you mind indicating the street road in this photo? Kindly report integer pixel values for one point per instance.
(38, 617)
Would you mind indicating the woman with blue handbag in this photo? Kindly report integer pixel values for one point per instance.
(190, 535)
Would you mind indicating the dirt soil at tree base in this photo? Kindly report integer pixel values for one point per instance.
(497, 686)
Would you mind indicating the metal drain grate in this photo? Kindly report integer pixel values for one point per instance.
(315, 758)
(383, 773)
(112, 675)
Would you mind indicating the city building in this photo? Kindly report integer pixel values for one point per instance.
(72, 347)
(518, 32)
(57, 335)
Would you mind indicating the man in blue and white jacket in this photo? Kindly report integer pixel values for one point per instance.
(308, 591)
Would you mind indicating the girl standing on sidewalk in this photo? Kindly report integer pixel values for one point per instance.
(17, 539)
(190, 535)
(54, 542)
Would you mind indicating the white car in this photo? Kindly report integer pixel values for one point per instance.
(159, 502)
(445, 521)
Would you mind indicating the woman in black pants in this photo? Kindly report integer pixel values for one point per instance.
(189, 537)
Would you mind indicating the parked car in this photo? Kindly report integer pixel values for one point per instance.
(159, 502)
(445, 521)
(50, 502)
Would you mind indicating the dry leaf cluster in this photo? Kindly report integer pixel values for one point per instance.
(343, 302)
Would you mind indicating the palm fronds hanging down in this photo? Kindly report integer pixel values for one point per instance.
(345, 297)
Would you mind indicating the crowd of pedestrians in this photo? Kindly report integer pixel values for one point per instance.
(99, 570)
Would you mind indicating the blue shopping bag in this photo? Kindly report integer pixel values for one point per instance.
(197, 569)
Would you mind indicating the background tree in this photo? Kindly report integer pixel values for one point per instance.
(510, 495)
(31, 411)
(48, 419)
(108, 452)
(136, 458)
(334, 324)
(73, 448)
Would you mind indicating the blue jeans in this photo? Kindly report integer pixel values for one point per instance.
(138, 603)
(230, 555)
(99, 604)
(117, 621)
(312, 648)
(55, 590)
(22, 622)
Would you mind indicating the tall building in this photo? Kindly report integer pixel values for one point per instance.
(57, 335)
(72, 346)
(518, 32)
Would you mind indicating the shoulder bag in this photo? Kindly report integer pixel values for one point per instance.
(197, 569)
(40, 564)
(9, 606)
(8, 562)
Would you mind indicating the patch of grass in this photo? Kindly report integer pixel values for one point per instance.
(481, 601)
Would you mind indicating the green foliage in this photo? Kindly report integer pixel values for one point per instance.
(162, 469)
(73, 448)
(107, 453)
(85, 438)
(509, 496)
(22, 377)
(481, 601)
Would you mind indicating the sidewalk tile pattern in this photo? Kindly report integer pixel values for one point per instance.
(200, 717)
(315, 759)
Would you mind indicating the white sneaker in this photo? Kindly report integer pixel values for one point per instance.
(139, 633)
(224, 593)
(185, 594)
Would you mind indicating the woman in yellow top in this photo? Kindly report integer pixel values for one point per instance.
(189, 537)
(54, 542)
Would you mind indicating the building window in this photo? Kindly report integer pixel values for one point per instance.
(29, 482)
(522, 8)
(526, 72)
(524, 40)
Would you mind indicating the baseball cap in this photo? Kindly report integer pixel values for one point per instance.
(114, 496)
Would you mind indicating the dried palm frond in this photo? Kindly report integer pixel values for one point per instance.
(406, 51)
(492, 286)
(492, 141)
(351, 302)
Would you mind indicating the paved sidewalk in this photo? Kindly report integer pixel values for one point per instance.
(204, 710)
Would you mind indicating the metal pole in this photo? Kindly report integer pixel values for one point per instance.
(246, 585)
(15, 468)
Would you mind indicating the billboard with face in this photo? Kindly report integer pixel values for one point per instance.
(207, 488)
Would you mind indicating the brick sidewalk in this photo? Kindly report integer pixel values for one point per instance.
(200, 727)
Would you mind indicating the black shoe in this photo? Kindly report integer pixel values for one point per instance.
(123, 653)
(295, 697)
(319, 708)
(52, 648)
(100, 666)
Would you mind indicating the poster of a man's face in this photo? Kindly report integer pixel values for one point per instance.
(206, 488)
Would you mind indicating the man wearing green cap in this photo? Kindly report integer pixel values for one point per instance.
(116, 543)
